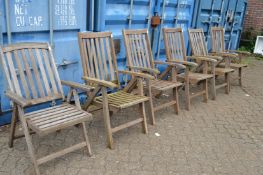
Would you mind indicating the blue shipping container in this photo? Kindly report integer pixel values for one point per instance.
(59, 21)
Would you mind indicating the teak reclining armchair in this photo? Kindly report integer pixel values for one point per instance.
(100, 70)
(218, 48)
(176, 53)
(198, 45)
(33, 79)
(140, 58)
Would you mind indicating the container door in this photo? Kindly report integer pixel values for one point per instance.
(115, 15)
(173, 13)
(208, 14)
(53, 21)
(234, 23)
(226, 13)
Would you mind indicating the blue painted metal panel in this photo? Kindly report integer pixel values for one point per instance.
(226, 13)
(115, 15)
(174, 13)
(54, 21)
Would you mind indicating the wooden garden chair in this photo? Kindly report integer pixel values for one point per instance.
(199, 48)
(140, 58)
(100, 70)
(33, 79)
(218, 48)
(176, 53)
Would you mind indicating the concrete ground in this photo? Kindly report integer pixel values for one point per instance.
(221, 137)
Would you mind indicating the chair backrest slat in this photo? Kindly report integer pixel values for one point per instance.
(49, 71)
(89, 68)
(133, 50)
(22, 75)
(55, 71)
(30, 71)
(197, 41)
(29, 74)
(36, 72)
(138, 49)
(13, 77)
(43, 72)
(103, 57)
(110, 58)
(218, 39)
(174, 44)
(98, 56)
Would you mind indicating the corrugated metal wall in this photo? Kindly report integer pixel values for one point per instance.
(58, 21)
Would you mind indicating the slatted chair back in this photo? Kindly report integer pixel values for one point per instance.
(138, 48)
(31, 71)
(197, 41)
(98, 56)
(174, 44)
(218, 42)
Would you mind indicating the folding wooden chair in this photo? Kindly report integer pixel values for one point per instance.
(218, 48)
(33, 79)
(198, 45)
(176, 53)
(140, 58)
(100, 70)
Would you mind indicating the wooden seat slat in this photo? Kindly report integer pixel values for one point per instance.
(57, 117)
(51, 115)
(67, 119)
(121, 99)
(163, 85)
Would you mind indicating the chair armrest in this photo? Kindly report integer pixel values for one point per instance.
(224, 54)
(75, 85)
(101, 82)
(149, 70)
(137, 74)
(203, 58)
(17, 99)
(186, 63)
(170, 64)
(239, 52)
(216, 57)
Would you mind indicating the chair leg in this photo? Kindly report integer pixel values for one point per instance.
(86, 138)
(151, 109)
(240, 76)
(176, 98)
(144, 123)
(213, 88)
(28, 140)
(106, 116)
(13, 126)
(227, 81)
(205, 88)
(187, 95)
